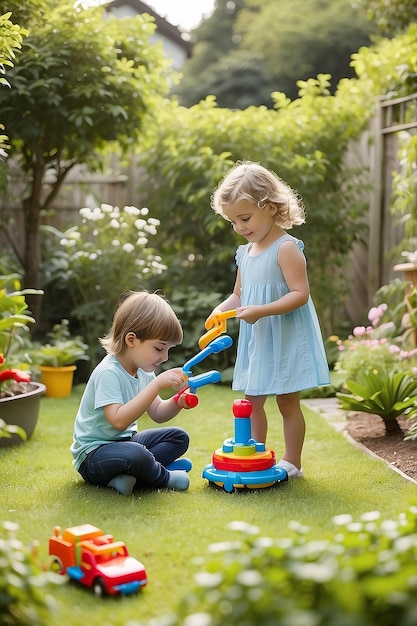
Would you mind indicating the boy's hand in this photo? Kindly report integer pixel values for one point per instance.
(185, 399)
(171, 378)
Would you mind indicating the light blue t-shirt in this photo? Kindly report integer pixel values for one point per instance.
(109, 383)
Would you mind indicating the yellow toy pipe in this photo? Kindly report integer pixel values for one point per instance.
(216, 325)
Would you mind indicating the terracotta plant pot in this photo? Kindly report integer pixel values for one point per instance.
(58, 380)
(21, 410)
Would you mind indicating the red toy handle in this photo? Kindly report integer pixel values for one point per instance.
(190, 399)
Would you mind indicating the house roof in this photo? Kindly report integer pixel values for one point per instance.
(164, 27)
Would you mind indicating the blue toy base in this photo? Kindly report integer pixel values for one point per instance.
(235, 481)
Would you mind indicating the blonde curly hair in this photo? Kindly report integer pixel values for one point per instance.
(253, 182)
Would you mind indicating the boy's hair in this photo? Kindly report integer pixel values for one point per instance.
(253, 182)
(148, 315)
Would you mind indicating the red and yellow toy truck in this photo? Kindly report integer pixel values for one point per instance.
(94, 559)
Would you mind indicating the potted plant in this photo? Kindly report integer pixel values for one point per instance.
(57, 359)
(19, 395)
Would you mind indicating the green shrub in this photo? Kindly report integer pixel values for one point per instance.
(365, 574)
(23, 585)
(304, 141)
(94, 262)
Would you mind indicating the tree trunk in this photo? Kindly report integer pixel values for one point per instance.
(32, 265)
(392, 427)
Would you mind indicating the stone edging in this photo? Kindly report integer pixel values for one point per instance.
(360, 446)
(336, 417)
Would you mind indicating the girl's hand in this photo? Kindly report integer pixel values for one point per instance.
(171, 378)
(212, 315)
(249, 314)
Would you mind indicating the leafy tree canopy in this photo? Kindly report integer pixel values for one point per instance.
(286, 42)
(83, 81)
(11, 38)
(393, 16)
(303, 38)
(80, 82)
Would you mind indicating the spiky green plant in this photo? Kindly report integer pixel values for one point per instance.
(382, 393)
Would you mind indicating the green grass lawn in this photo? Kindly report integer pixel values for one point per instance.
(168, 530)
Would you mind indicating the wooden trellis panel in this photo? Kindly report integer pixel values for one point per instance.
(393, 116)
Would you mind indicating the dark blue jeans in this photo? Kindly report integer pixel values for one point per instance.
(144, 456)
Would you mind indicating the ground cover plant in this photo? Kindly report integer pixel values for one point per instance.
(364, 575)
(167, 530)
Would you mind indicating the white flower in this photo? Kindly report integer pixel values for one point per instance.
(74, 234)
(371, 516)
(342, 520)
(107, 208)
(94, 215)
(198, 619)
(245, 527)
(85, 212)
(132, 210)
(205, 579)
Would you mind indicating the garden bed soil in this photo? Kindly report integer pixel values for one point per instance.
(369, 430)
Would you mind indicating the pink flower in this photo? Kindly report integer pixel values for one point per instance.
(376, 313)
(394, 349)
(359, 331)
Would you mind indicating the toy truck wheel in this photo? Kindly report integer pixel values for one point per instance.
(99, 588)
(55, 565)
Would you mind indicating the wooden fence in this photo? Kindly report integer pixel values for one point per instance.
(393, 116)
(373, 266)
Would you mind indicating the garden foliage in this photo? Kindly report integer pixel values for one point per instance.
(378, 366)
(80, 85)
(24, 586)
(384, 393)
(62, 348)
(190, 150)
(91, 264)
(15, 319)
(364, 574)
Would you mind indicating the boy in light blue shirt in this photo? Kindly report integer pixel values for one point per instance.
(108, 450)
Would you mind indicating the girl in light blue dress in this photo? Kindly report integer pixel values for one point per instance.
(280, 348)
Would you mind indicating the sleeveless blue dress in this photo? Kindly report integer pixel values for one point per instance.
(280, 353)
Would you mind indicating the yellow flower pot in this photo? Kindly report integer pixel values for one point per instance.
(58, 380)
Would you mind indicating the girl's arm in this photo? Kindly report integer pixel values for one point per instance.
(293, 265)
(120, 416)
(232, 301)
